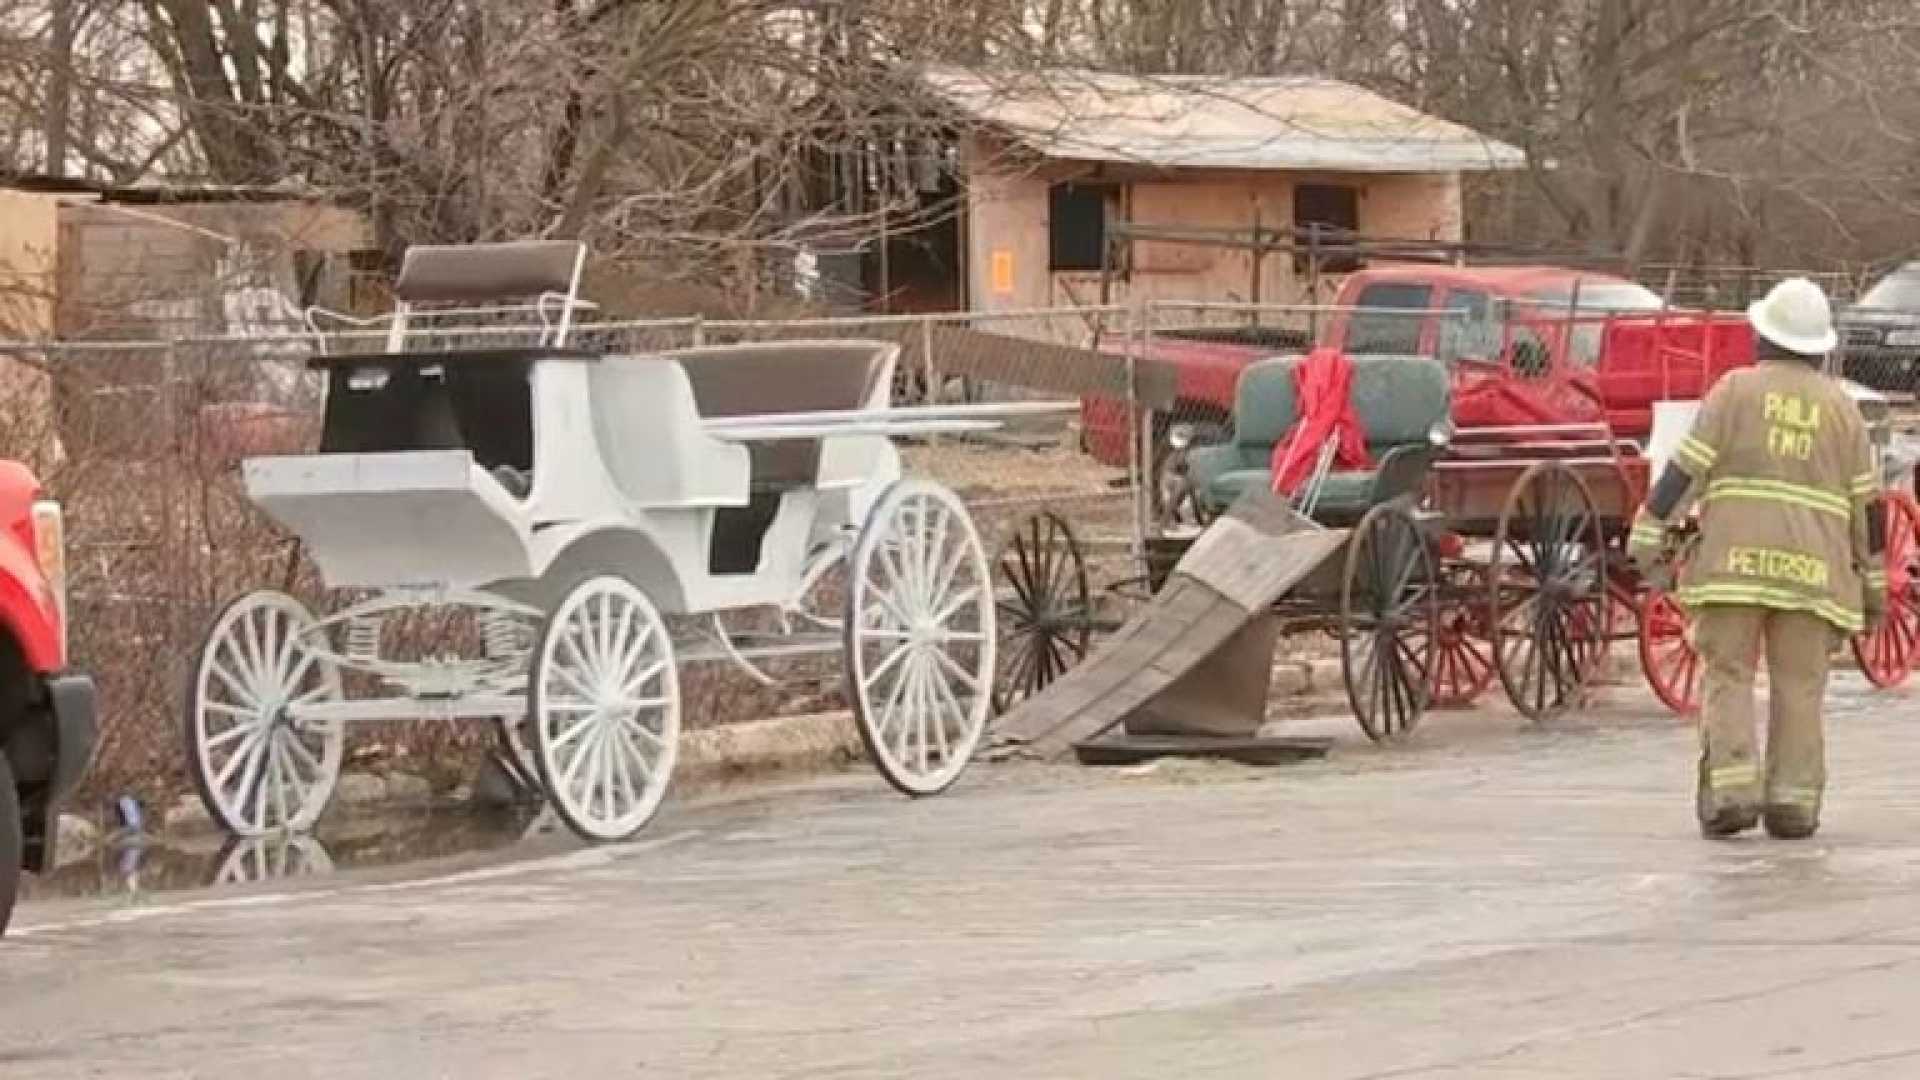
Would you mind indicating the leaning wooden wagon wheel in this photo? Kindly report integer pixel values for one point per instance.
(1462, 637)
(1668, 656)
(1548, 582)
(919, 636)
(1044, 607)
(259, 766)
(513, 737)
(1887, 655)
(1389, 607)
(603, 695)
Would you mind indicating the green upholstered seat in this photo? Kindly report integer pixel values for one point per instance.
(1398, 399)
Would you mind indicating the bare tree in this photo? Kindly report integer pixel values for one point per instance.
(695, 138)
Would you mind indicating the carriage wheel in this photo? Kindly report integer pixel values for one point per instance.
(1044, 608)
(257, 769)
(1463, 646)
(249, 859)
(1389, 606)
(920, 637)
(604, 697)
(1667, 653)
(1887, 656)
(1548, 583)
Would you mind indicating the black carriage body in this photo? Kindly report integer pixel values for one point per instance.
(475, 400)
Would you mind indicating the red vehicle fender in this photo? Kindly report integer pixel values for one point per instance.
(34, 621)
(29, 608)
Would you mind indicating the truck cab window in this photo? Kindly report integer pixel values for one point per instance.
(1467, 329)
(1389, 319)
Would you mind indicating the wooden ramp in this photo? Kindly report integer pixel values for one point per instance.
(1230, 577)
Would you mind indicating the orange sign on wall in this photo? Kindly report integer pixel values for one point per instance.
(1002, 266)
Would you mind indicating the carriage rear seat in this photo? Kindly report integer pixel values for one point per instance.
(1399, 399)
(765, 378)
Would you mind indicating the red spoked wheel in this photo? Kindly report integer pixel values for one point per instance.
(1667, 654)
(1887, 655)
(1463, 638)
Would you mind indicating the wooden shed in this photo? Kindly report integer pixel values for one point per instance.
(82, 261)
(1053, 157)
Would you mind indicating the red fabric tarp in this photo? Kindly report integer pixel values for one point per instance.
(1323, 393)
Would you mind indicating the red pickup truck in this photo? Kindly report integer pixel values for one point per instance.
(1526, 344)
(47, 722)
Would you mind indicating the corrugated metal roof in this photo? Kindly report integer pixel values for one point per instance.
(1187, 121)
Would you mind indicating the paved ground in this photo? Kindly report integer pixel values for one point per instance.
(1487, 903)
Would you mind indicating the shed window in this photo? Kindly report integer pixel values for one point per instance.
(1077, 225)
(1333, 211)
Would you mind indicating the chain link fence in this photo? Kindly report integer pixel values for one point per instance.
(1877, 312)
(1732, 288)
(1881, 349)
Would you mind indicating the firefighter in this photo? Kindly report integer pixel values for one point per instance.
(1786, 560)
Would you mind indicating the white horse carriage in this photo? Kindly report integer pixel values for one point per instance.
(573, 502)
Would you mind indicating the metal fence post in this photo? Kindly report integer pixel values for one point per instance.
(926, 359)
(699, 331)
(1140, 454)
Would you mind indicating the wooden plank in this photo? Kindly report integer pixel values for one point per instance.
(1096, 697)
(1258, 550)
(1252, 556)
(1042, 365)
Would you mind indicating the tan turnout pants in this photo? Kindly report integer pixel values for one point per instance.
(1730, 638)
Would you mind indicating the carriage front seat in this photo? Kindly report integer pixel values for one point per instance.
(1399, 400)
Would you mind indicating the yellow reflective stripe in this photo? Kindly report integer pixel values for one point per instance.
(1830, 499)
(1863, 485)
(1744, 774)
(1696, 453)
(1802, 798)
(1876, 580)
(1648, 532)
(1780, 491)
(1740, 592)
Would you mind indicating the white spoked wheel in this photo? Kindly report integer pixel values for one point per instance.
(258, 769)
(605, 702)
(920, 637)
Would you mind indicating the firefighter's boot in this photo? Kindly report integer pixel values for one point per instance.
(1798, 650)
